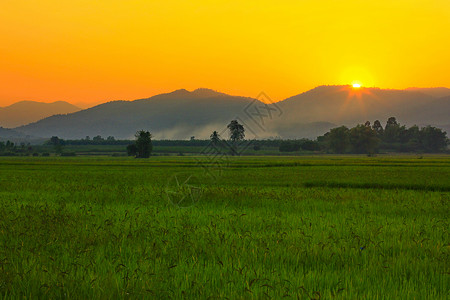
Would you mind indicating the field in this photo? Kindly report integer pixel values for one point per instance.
(245, 227)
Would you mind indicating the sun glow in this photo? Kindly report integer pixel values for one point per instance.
(356, 85)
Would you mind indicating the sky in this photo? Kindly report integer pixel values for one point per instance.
(88, 52)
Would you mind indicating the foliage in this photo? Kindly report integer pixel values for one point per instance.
(143, 144)
(57, 144)
(363, 139)
(289, 146)
(394, 137)
(215, 138)
(237, 133)
(132, 150)
(339, 139)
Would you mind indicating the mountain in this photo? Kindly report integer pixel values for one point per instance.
(182, 114)
(177, 115)
(349, 106)
(25, 112)
(438, 92)
(6, 133)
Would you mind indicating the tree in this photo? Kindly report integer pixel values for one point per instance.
(237, 133)
(363, 139)
(9, 146)
(289, 146)
(378, 128)
(57, 144)
(433, 139)
(143, 144)
(391, 122)
(410, 139)
(339, 139)
(132, 150)
(215, 138)
(97, 138)
(309, 145)
(391, 131)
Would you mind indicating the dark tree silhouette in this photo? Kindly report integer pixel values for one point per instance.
(132, 150)
(215, 138)
(57, 144)
(143, 144)
(392, 131)
(391, 122)
(364, 139)
(395, 137)
(339, 139)
(237, 133)
(97, 138)
(433, 139)
(377, 127)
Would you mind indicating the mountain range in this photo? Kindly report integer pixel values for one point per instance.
(25, 112)
(182, 114)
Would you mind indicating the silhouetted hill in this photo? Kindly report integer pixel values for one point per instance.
(182, 114)
(6, 133)
(25, 112)
(437, 92)
(349, 106)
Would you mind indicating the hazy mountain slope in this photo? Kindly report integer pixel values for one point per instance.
(437, 92)
(6, 133)
(345, 105)
(179, 114)
(182, 114)
(25, 112)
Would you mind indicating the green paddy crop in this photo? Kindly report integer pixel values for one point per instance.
(260, 227)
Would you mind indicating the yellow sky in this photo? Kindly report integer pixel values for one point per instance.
(97, 50)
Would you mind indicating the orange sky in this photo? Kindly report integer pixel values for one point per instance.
(94, 51)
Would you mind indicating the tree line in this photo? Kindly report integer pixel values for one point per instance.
(371, 139)
(364, 138)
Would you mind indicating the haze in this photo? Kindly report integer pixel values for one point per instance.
(86, 52)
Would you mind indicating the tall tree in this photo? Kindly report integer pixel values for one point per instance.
(378, 128)
(392, 131)
(237, 133)
(215, 138)
(143, 144)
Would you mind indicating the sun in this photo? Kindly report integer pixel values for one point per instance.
(356, 85)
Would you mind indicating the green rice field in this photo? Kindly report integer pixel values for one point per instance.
(319, 227)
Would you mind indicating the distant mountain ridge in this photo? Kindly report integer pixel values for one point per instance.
(435, 92)
(6, 133)
(25, 112)
(179, 114)
(182, 114)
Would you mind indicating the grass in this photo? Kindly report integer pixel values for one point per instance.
(262, 227)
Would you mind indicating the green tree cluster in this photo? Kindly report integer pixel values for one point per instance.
(393, 137)
(142, 147)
